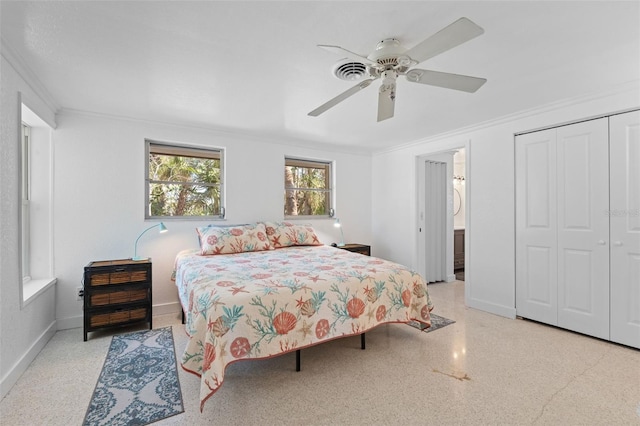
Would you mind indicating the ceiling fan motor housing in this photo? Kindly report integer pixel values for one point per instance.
(389, 54)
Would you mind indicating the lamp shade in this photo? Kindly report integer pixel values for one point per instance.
(162, 229)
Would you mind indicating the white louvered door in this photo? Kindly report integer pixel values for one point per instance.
(436, 210)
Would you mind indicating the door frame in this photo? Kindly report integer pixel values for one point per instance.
(450, 147)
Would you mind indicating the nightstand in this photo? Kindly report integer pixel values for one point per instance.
(116, 293)
(357, 248)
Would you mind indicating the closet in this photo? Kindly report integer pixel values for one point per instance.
(578, 227)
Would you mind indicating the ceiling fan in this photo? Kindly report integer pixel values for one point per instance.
(391, 59)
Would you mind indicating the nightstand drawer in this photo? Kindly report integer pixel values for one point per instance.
(102, 319)
(102, 298)
(115, 275)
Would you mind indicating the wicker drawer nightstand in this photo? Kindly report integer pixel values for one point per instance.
(116, 293)
(357, 248)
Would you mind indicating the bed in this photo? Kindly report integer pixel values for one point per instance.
(264, 298)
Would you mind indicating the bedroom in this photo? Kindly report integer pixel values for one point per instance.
(98, 161)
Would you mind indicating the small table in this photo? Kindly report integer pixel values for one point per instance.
(357, 248)
(116, 293)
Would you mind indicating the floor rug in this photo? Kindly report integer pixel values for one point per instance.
(139, 383)
(436, 323)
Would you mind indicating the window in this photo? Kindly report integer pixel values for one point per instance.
(36, 205)
(183, 182)
(307, 188)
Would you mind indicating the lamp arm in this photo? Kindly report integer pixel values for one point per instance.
(135, 248)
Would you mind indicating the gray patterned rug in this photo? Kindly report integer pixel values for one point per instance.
(139, 383)
(436, 323)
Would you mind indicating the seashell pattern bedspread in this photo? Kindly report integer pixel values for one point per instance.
(266, 303)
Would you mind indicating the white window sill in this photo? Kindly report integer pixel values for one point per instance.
(33, 288)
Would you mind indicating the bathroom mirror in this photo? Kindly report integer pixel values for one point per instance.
(457, 201)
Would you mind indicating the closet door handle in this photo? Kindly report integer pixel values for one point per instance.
(618, 244)
(602, 242)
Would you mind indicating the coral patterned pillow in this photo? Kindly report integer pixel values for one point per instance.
(233, 239)
(286, 234)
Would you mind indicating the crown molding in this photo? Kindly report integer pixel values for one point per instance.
(627, 87)
(301, 143)
(20, 66)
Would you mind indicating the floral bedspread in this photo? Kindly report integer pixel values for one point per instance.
(261, 304)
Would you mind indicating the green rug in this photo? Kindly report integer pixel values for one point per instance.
(436, 323)
(139, 382)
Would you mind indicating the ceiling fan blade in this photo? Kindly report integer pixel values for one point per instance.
(447, 80)
(386, 100)
(351, 55)
(447, 38)
(341, 97)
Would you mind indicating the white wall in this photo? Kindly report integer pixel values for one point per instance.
(99, 198)
(24, 330)
(490, 275)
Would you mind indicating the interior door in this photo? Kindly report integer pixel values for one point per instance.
(583, 227)
(436, 220)
(536, 229)
(624, 217)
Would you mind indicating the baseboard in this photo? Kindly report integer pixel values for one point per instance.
(23, 363)
(77, 321)
(503, 311)
(167, 308)
(451, 278)
(70, 322)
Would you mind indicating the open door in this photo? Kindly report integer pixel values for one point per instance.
(435, 217)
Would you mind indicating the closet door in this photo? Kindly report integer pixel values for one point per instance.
(583, 227)
(536, 229)
(624, 216)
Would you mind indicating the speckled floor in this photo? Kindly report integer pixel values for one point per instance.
(484, 369)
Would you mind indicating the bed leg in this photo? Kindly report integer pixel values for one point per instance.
(362, 341)
(182, 312)
(298, 360)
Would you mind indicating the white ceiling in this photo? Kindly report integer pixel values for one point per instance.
(254, 68)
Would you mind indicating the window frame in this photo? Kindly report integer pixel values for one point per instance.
(178, 149)
(329, 165)
(25, 197)
(35, 261)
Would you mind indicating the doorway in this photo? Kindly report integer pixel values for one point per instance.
(453, 223)
(435, 216)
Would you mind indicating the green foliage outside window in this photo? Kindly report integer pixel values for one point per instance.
(307, 189)
(183, 185)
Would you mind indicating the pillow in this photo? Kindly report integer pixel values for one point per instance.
(233, 239)
(237, 225)
(286, 234)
